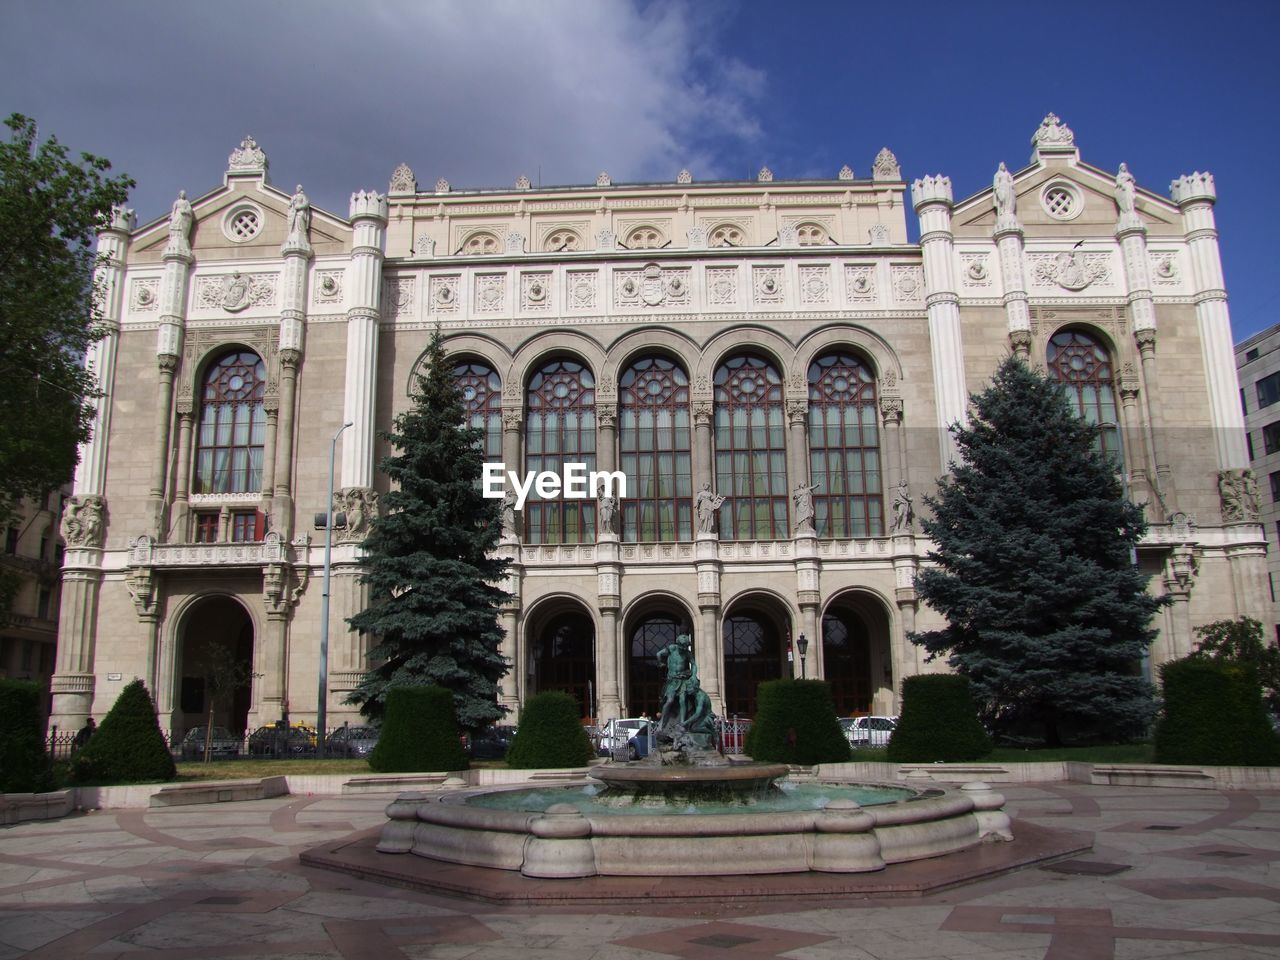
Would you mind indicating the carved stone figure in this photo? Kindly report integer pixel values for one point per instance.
(82, 521)
(509, 516)
(1126, 197)
(705, 505)
(299, 216)
(903, 508)
(1238, 491)
(360, 504)
(802, 497)
(1005, 198)
(607, 513)
(181, 218)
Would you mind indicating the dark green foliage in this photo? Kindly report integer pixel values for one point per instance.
(51, 207)
(419, 734)
(128, 746)
(1213, 714)
(939, 722)
(1241, 641)
(23, 765)
(550, 734)
(796, 723)
(435, 584)
(1047, 613)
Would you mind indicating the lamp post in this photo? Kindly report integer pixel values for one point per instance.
(322, 701)
(802, 644)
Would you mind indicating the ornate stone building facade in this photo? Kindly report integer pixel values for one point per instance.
(772, 364)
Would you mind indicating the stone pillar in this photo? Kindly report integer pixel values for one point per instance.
(905, 658)
(609, 600)
(282, 506)
(892, 454)
(703, 445)
(1164, 486)
(72, 684)
(607, 436)
(180, 527)
(707, 648)
(931, 197)
(364, 290)
(797, 441)
(1007, 235)
(809, 597)
(271, 407)
(278, 487)
(1179, 573)
(1140, 487)
(509, 688)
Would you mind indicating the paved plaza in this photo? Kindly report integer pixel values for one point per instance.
(1172, 873)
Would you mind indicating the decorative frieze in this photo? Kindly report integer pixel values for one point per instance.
(328, 288)
(144, 295)
(767, 286)
(581, 287)
(235, 291)
(443, 295)
(860, 282)
(651, 286)
(1071, 270)
(397, 297)
(908, 283)
(535, 292)
(815, 284)
(975, 271)
(490, 293)
(722, 286)
(1164, 268)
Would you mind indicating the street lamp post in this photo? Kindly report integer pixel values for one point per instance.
(322, 701)
(802, 644)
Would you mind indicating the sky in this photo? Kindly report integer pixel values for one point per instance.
(481, 91)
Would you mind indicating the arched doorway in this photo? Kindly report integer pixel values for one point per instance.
(856, 658)
(756, 637)
(562, 656)
(647, 633)
(216, 669)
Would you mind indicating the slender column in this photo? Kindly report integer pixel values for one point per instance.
(72, 684)
(180, 528)
(1151, 406)
(891, 455)
(797, 441)
(1007, 235)
(931, 197)
(512, 434)
(272, 409)
(277, 484)
(609, 600)
(1179, 574)
(282, 496)
(1140, 486)
(703, 445)
(607, 436)
(508, 687)
(707, 648)
(364, 291)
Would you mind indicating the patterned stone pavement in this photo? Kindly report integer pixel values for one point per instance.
(1173, 873)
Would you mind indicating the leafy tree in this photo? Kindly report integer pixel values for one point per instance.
(435, 590)
(24, 768)
(1241, 641)
(50, 210)
(1047, 613)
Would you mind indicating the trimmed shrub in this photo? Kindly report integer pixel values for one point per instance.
(796, 723)
(1213, 713)
(128, 746)
(939, 722)
(550, 734)
(23, 765)
(419, 733)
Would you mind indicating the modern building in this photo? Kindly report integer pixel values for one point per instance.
(772, 364)
(1258, 366)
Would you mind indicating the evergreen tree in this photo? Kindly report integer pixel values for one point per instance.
(434, 583)
(1047, 613)
(128, 746)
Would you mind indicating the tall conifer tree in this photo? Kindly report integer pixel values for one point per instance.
(434, 582)
(1047, 614)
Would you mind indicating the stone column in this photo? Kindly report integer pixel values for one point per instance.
(607, 436)
(1151, 406)
(892, 455)
(72, 684)
(180, 528)
(809, 597)
(609, 600)
(707, 648)
(510, 687)
(278, 487)
(1007, 235)
(703, 445)
(282, 506)
(364, 291)
(1179, 573)
(1140, 486)
(271, 407)
(797, 440)
(931, 197)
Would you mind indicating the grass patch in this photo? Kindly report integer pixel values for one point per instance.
(254, 769)
(1109, 753)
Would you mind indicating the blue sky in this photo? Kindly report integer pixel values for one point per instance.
(481, 92)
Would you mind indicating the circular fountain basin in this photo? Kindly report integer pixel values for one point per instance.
(564, 839)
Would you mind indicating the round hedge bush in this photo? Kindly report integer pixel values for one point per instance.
(419, 733)
(1213, 714)
(550, 734)
(128, 746)
(24, 768)
(796, 723)
(939, 722)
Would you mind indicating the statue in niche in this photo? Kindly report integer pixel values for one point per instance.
(180, 219)
(1006, 199)
(82, 521)
(607, 513)
(299, 216)
(1126, 191)
(360, 504)
(686, 723)
(802, 497)
(705, 505)
(509, 516)
(903, 508)
(1238, 491)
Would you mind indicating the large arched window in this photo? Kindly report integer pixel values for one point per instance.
(481, 389)
(1083, 366)
(653, 444)
(562, 657)
(844, 448)
(645, 675)
(232, 425)
(560, 429)
(753, 652)
(846, 661)
(751, 451)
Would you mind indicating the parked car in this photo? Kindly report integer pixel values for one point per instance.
(617, 733)
(282, 741)
(491, 743)
(638, 745)
(868, 731)
(223, 745)
(350, 741)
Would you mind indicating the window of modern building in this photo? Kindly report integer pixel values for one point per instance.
(232, 426)
(654, 452)
(481, 389)
(1271, 437)
(1248, 442)
(1082, 364)
(751, 452)
(11, 540)
(1275, 486)
(1268, 390)
(1251, 355)
(844, 453)
(1244, 407)
(560, 428)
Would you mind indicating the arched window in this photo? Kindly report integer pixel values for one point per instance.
(846, 661)
(844, 448)
(232, 425)
(727, 235)
(811, 234)
(481, 243)
(563, 658)
(481, 389)
(753, 645)
(560, 429)
(644, 238)
(645, 676)
(1083, 366)
(653, 444)
(564, 240)
(751, 452)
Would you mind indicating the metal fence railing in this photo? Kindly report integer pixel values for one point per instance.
(265, 743)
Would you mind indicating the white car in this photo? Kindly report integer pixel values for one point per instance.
(868, 731)
(616, 733)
